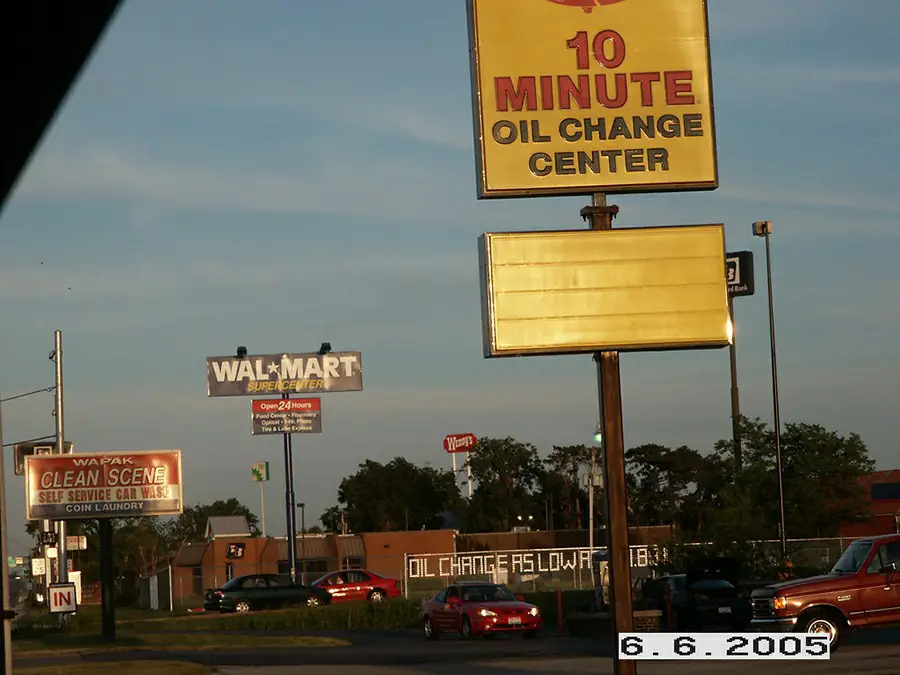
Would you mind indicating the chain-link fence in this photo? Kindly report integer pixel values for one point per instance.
(577, 569)
(525, 570)
(522, 570)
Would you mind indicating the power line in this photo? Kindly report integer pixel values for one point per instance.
(30, 393)
(30, 440)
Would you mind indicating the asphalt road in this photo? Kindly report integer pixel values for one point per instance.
(394, 648)
(407, 653)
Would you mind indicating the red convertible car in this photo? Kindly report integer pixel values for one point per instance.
(478, 608)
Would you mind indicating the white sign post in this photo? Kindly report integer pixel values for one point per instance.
(63, 598)
(260, 474)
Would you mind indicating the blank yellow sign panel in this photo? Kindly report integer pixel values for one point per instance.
(638, 289)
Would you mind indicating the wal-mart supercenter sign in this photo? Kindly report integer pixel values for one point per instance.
(283, 374)
(536, 561)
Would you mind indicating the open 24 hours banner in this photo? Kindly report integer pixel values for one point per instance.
(103, 485)
(581, 96)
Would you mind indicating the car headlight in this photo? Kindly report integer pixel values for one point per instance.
(534, 611)
(486, 612)
(780, 603)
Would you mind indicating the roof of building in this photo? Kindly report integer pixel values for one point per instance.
(309, 547)
(889, 476)
(227, 526)
(351, 546)
(190, 555)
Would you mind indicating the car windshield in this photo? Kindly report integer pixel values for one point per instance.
(234, 583)
(487, 593)
(853, 558)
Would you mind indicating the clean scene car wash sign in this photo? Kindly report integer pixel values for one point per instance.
(582, 96)
(103, 485)
(270, 374)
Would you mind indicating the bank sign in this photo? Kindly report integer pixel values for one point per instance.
(582, 96)
(103, 485)
(271, 374)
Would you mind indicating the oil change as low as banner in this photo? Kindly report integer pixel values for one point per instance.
(103, 485)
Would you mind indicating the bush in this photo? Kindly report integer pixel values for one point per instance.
(390, 614)
(36, 624)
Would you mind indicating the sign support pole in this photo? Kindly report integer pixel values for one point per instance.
(290, 513)
(469, 475)
(613, 463)
(107, 580)
(735, 398)
(262, 506)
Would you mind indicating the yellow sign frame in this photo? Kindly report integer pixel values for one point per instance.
(585, 291)
(524, 58)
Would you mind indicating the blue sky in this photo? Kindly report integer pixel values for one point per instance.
(282, 173)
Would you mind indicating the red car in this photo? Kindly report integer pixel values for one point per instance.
(350, 585)
(479, 608)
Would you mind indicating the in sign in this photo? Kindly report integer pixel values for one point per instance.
(460, 442)
(63, 599)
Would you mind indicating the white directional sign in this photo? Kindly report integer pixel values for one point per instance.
(63, 598)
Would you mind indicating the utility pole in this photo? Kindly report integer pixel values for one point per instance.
(62, 557)
(8, 614)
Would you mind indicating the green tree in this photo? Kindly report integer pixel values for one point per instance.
(666, 485)
(821, 472)
(138, 546)
(331, 519)
(566, 467)
(395, 496)
(507, 474)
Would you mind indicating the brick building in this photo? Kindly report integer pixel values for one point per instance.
(230, 551)
(883, 491)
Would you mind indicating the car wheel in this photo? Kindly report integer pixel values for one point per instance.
(824, 622)
(376, 596)
(466, 629)
(313, 601)
(428, 629)
(242, 606)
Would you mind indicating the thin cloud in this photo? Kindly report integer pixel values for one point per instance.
(164, 279)
(737, 190)
(738, 18)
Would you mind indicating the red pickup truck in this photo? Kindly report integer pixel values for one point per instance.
(861, 591)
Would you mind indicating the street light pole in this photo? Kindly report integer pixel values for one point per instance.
(764, 229)
(302, 506)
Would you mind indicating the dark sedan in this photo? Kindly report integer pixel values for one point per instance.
(699, 604)
(262, 591)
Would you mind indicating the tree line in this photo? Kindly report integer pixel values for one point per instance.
(140, 543)
(701, 494)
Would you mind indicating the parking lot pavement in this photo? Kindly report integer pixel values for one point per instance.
(862, 660)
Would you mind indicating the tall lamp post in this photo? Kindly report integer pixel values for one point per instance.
(763, 228)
